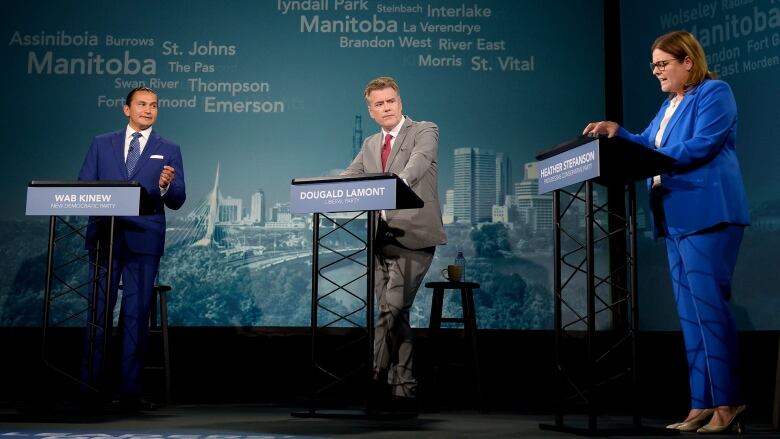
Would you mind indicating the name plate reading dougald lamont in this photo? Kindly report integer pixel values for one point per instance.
(569, 167)
(343, 196)
(83, 200)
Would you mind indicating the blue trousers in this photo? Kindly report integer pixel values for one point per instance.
(138, 273)
(702, 265)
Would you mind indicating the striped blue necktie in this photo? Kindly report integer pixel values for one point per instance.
(133, 154)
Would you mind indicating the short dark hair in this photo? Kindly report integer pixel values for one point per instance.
(129, 98)
(381, 83)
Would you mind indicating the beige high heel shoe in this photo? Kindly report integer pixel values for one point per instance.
(694, 423)
(736, 424)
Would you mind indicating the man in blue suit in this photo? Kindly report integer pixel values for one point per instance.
(137, 153)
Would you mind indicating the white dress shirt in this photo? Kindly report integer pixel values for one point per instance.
(394, 132)
(142, 140)
(675, 102)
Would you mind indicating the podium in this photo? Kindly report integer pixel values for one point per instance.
(587, 359)
(61, 200)
(327, 198)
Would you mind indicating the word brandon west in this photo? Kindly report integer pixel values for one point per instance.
(341, 193)
(568, 163)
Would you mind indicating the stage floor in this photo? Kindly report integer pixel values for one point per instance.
(246, 421)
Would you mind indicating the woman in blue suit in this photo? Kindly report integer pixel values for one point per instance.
(700, 208)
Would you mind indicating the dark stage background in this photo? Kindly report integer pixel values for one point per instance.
(259, 92)
(240, 365)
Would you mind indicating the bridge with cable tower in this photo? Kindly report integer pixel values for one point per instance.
(247, 244)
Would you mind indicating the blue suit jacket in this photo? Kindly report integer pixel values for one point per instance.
(705, 188)
(105, 160)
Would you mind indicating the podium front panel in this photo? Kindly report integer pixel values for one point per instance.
(604, 160)
(83, 201)
(343, 196)
(569, 167)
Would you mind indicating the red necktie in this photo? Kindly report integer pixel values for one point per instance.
(386, 150)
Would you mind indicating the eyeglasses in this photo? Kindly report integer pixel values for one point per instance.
(661, 64)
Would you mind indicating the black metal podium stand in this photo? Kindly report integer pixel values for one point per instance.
(62, 200)
(589, 360)
(322, 196)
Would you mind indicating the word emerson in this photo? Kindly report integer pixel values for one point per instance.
(339, 193)
(82, 198)
(569, 163)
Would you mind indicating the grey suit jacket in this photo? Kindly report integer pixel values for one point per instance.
(414, 159)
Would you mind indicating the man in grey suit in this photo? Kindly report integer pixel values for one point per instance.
(406, 239)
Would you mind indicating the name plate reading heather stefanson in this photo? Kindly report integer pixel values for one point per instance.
(82, 199)
(569, 167)
(344, 196)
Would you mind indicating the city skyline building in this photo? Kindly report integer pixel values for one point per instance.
(448, 212)
(503, 178)
(357, 138)
(502, 213)
(230, 209)
(475, 185)
(531, 171)
(257, 207)
(533, 209)
(280, 213)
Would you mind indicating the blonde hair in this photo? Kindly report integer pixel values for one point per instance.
(381, 83)
(682, 44)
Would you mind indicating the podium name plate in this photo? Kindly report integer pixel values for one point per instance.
(83, 201)
(569, 167)
(344, 196)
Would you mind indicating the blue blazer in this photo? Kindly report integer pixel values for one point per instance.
(105, 160)
(705, 187)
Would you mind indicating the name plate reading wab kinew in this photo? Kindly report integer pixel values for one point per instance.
(83, 201)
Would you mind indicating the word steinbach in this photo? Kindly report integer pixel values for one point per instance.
(462, 11)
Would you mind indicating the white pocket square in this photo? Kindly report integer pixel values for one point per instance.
(156, 156)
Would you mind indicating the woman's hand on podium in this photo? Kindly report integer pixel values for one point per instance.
(595, 129)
